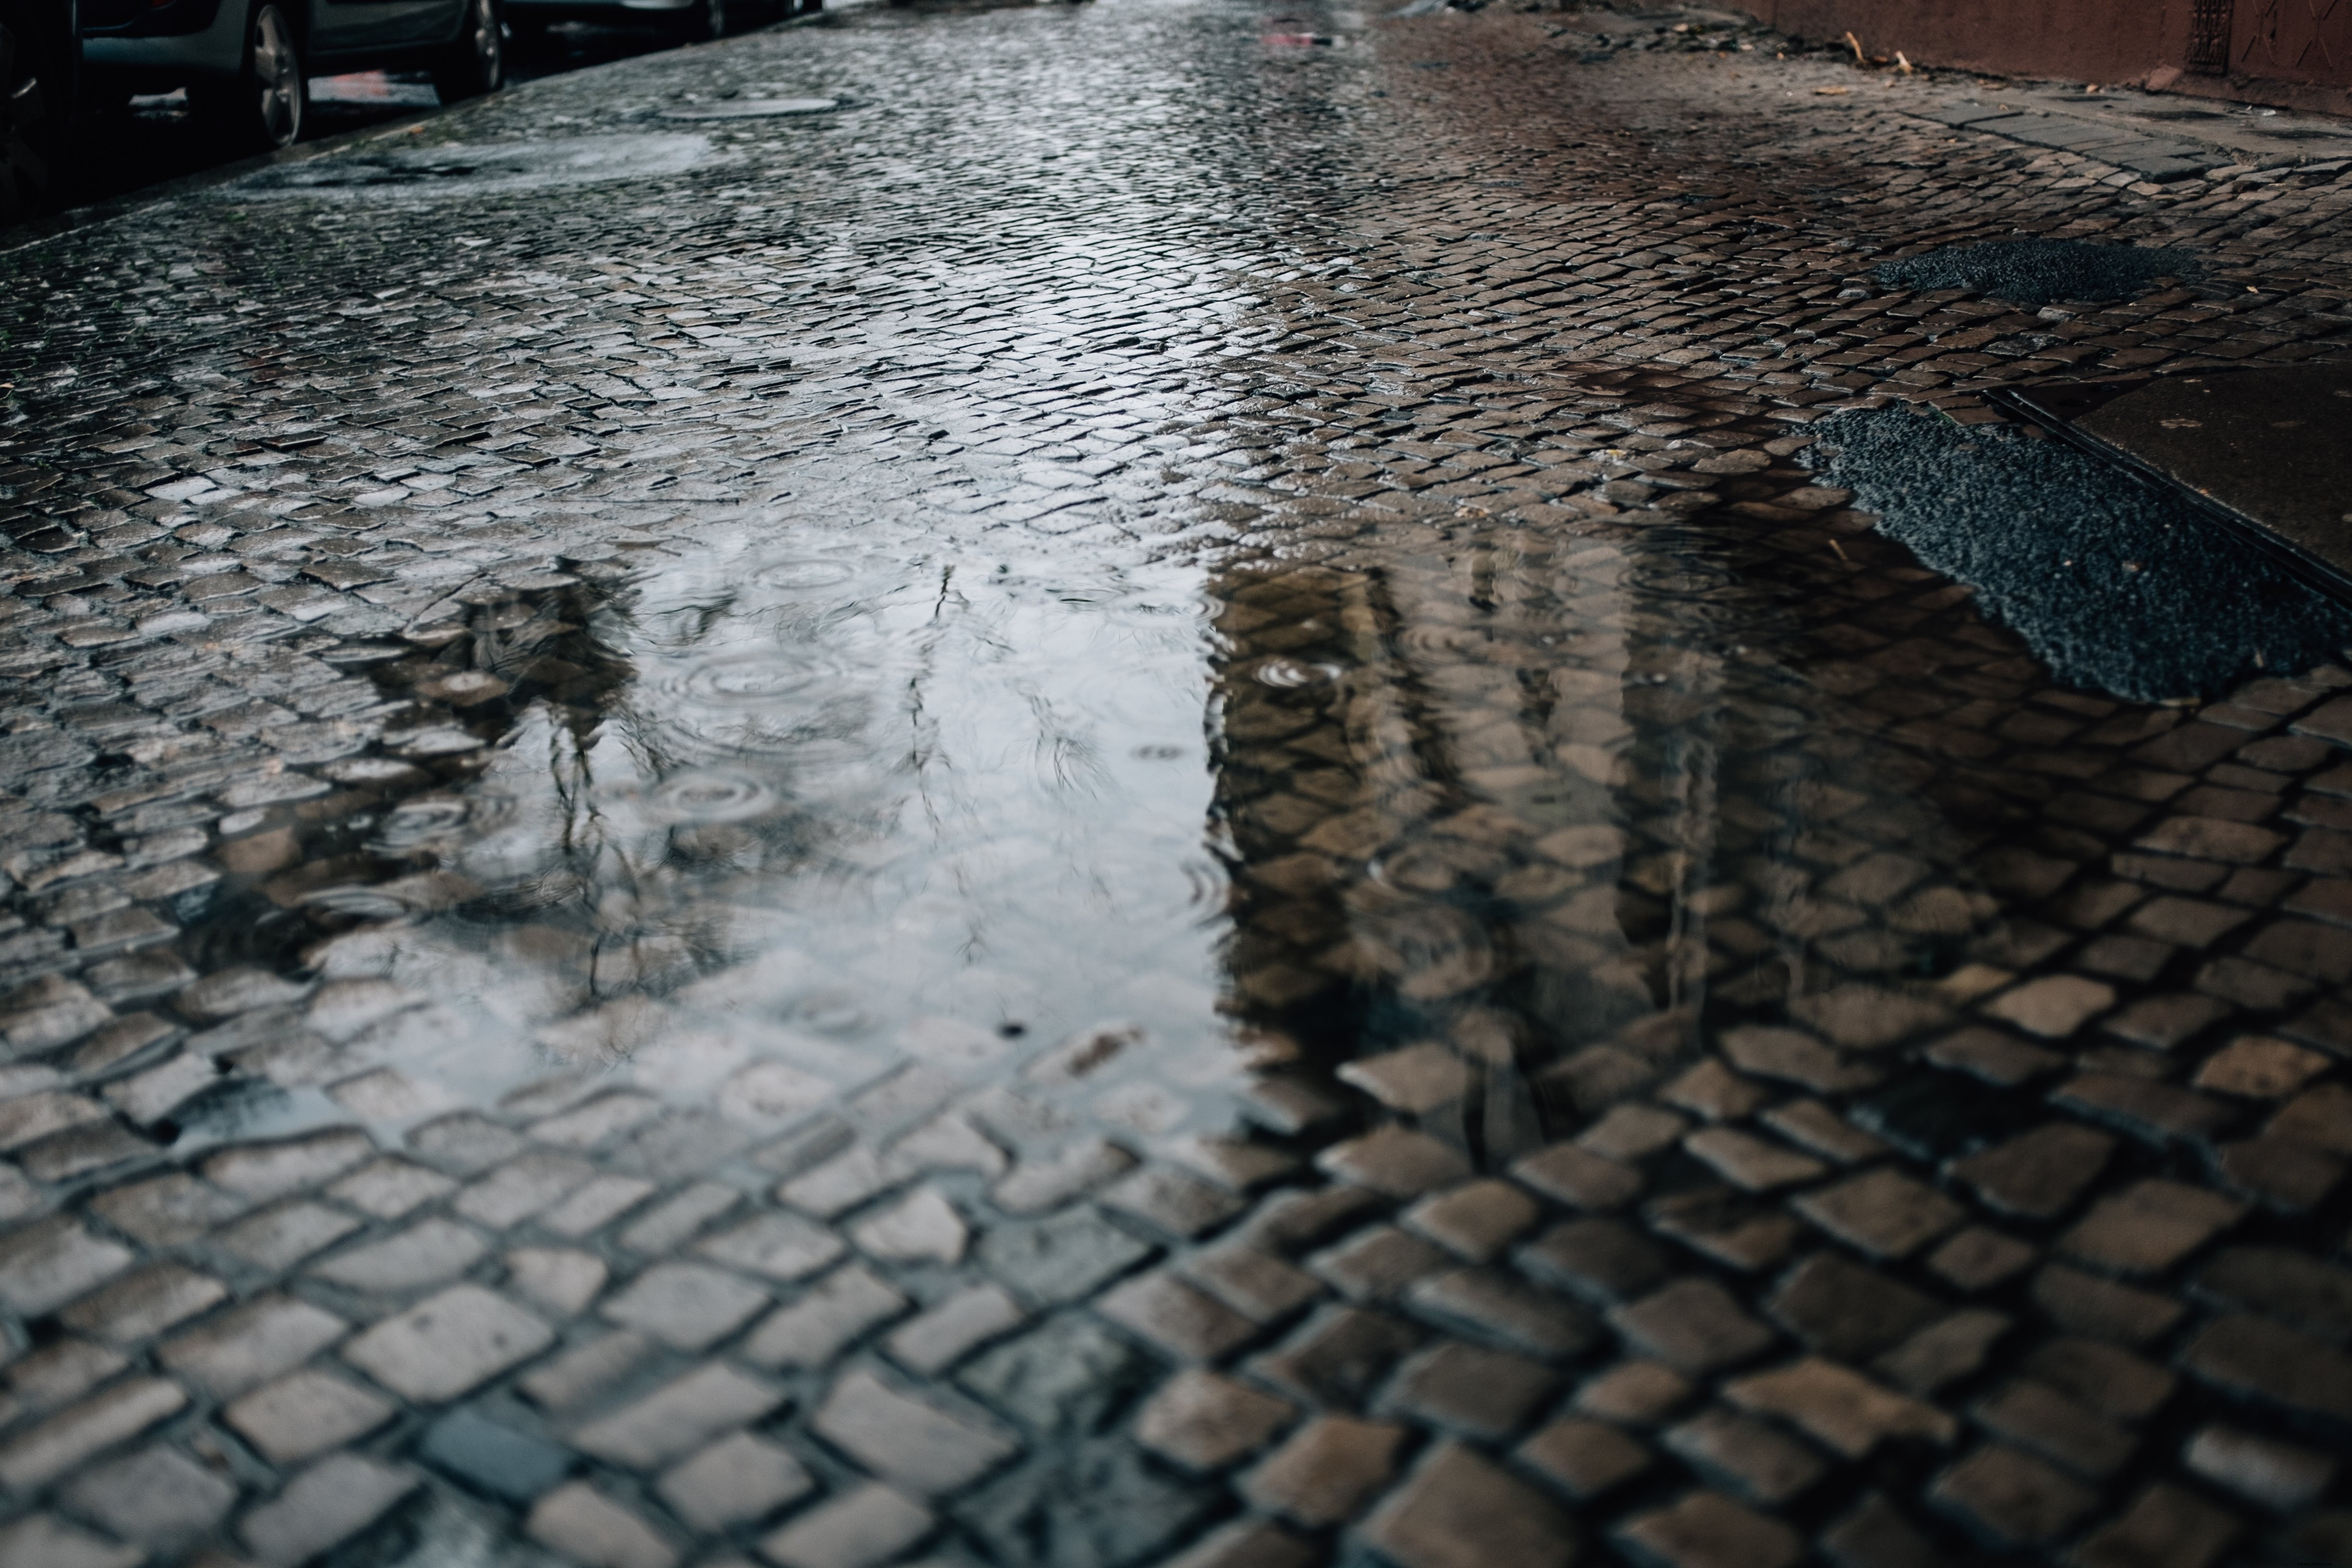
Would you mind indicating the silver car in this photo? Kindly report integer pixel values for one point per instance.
(244, 62)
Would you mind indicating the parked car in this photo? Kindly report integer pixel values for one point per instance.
(692, 20)
(245, 63)
(36, 105)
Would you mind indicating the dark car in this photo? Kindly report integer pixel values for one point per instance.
(685, 19)
(244, 62)
(36, 105)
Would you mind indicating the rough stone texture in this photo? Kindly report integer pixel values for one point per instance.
(50, 1542)
(685, 1305)
(1706, 1530)
(868, 1525)
(324, 1506)
(305, 1414)
(907, 1441)
(609, 699)
(677, 1417)
(492, 1457)
(2012, 1498)
(53, 1447)
(589, 1528)
(736, 1479)
(1326, 1471)
(1584, 1459)
(238, 1349)
(447, 1345)
(1839, 1408)
(157, 1497)
(1459, 1511)
(1205, 1422)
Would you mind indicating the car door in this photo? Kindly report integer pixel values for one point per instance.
(343, 32)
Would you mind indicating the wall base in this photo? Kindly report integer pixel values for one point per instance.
(2146, 42)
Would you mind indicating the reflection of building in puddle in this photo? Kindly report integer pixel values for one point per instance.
(1519, 826)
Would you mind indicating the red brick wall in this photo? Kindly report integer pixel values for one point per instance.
(2281, 51)
(2085, 40)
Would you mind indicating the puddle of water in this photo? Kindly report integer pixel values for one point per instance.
(751, 109)
(821, 800)
(489, 169)
(830, 808)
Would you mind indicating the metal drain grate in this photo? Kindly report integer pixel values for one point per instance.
(2209, 37)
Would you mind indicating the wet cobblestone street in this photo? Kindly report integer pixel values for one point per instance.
(1130, 800)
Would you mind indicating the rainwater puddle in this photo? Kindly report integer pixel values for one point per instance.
(489, 169)
(1492, 820)
(757, 831)
(750, 109)
(808, 817)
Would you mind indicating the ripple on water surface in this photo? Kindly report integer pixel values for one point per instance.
(818, 794)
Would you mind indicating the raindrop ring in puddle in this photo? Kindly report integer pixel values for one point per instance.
(437, 822)
(744, 680)
(1287, 673)
(801, 572)
(413, 825)
(707, 796)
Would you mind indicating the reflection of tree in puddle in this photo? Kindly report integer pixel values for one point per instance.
(1517, 822)
(584, 851)
(759, 833)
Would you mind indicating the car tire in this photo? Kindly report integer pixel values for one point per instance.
(264, 107)
(702, 21)
(476, 62)
(36, 112)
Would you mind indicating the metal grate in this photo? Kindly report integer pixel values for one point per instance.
(2209, 37)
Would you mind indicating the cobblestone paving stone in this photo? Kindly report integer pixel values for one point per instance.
(609, 956)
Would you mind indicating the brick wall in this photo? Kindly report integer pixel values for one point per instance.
(2292, 52)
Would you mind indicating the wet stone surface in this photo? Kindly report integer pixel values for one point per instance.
(1129, 806)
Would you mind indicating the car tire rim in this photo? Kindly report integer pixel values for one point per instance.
(278, 70)
(489, 47)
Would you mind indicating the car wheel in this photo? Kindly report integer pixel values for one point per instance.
(476, 62)
(263, 107)
(33, 114)
(703, 19)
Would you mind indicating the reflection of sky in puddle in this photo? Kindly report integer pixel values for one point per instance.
(856, 804)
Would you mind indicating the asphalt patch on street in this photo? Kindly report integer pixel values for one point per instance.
(2037, 271)
(2116, 584)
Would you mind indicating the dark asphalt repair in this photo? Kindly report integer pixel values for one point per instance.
(2037, 271)
(2115, 584)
